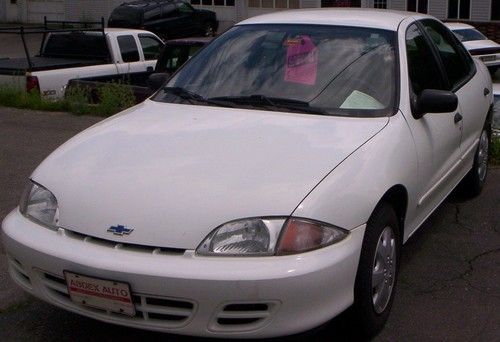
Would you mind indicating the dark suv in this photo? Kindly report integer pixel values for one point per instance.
(167, 18)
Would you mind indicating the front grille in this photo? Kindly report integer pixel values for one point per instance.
(18, 273)
(484, 51)
(163, 312)
(243, 316)
(122, 246)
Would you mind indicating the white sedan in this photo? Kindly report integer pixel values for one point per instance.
(269, 185)
(478, 44)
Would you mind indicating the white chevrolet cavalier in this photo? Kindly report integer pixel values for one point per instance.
(268, 186)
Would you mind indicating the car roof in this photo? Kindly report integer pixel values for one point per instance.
(145, 5)
(360, 17)
(459, 26)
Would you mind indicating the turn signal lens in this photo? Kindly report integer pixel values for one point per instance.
(300, 235)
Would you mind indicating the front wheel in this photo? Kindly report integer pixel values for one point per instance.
(377, 271)
(209, 29)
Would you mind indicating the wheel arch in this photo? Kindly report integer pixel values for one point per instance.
(397, 198)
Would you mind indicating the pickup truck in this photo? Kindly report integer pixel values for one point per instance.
(174, 54)
(69, 54)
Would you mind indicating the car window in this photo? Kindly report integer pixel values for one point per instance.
(124, 15)
(128, 49)
(169, 11)
(335, 70)
(150, 47)
(423, 69)
(153, 14)
(184, 8)
(468, 35)
(457, 69)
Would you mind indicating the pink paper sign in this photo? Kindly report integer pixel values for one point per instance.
(301, 61)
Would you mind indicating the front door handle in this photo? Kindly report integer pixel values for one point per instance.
(486, 92)
(458, 117)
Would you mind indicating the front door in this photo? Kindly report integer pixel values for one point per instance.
(437, 136)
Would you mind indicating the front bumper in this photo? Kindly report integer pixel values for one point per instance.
(183, 293)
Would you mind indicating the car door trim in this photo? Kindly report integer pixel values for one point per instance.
(451, 171)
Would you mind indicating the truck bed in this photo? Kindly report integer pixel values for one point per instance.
(20, 65)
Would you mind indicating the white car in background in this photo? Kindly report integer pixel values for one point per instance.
(268, 186)
(478, 44)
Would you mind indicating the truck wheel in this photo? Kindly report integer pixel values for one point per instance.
(473, 183)
(377, 271)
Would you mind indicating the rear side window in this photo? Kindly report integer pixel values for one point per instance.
(128, 49)
(76, 45)
(456, 66)
(423, 69)
(150, 47)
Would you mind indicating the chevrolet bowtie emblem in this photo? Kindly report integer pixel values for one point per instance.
(120, 230)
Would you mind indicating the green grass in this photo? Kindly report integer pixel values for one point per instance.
(495, 151)
(112, 98)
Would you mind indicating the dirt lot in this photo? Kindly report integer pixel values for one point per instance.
(449, 285)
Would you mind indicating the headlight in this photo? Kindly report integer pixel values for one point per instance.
(269, 236)
(40, 205)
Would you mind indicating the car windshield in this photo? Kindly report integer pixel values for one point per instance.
(467, 35)
(332, 70)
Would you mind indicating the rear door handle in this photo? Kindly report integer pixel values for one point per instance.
(458, 117)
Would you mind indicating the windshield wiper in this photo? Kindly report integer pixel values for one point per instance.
(193, 97)
(275, 102)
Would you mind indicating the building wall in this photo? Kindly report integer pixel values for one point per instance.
(480, 9)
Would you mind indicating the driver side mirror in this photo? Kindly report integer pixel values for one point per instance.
(155, 81)
(435, 101)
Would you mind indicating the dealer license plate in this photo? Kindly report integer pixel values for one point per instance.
(102, 294)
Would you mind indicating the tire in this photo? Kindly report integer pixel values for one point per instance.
(373, 299)
(209, 29)
(474, 181)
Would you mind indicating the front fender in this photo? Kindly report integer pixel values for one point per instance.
(348, 195)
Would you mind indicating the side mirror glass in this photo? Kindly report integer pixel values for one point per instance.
(435, 101)
(155, 81)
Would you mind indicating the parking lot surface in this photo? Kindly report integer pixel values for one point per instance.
(449, 282)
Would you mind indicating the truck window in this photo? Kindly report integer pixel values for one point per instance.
(76, 45)
(128, 49)
(150, 47)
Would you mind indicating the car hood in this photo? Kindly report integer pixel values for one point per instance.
(173, 173)
(480, 44)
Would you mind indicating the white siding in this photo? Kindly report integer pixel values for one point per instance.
(398, 5)
(38, 9)
(310, 3)
(480, 10)
(90, 9)
(438, 8)
(3, 10)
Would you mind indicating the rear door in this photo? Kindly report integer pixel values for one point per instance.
(130, 61)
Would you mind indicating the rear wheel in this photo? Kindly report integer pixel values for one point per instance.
(473, 183)
(209, 29)
(376, 277)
